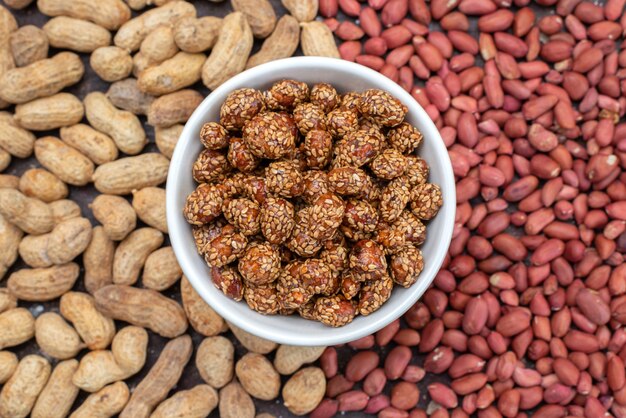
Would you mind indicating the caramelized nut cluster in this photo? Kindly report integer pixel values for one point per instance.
(311, 202)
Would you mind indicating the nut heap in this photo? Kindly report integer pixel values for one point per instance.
(311, 202)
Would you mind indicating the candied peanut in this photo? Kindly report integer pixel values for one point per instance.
(262, 298)
(240, 156)
(239, 107)
(405, 138)
(309, 116)
(426, 200)
(357, 148)
(350, 286)
(341, 121)
(225, 248)
(367, 256)
(228, 280)
(348, 181)
(334, 311)
(210, 166)
(318, 148)
(382, 107)
(394, 199)
(325, 215)
(417, 170)
(325, 96)
(284, 178)
(213, 136)
(204, 204)
(286, 94)
(406, 265)
(270, 135)
(315, 184)
(360, 215)
(389, 164)
(373, 294)
(244, 214)
(260, 264)
(276, 220)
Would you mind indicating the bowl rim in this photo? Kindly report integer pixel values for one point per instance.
(175, 220)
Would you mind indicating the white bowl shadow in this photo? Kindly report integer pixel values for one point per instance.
(294, 330)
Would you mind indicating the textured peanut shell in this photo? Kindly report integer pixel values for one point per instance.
(167, 138)
(149, 204)
(159, 45)
(290, 358)
(142, 307)
(63, 210)
(41, 78)
(133, 32)
(43, 284)
(161, 378)
(304, 391)
(17, 4)
(258, 377)
(15, 140)
(124, 127)
(65, 242)
(110, 14)
(173, 108)
(215, 360)
(42, 184)
(28, 44)
(7, 300)
(7, 62)
(29, 214)
(10, 237)
(126, 357)
(303, 10)
(76, 34)
(96, 146)
(173, 74)
(197, 35)
(131, 173)
(137, 4)
(260, 15)
(197, 402)
(57, 397)
(8, 23)
(57, 338)
(282, 43)
(8, 364)
(130, 256)
(252, 342)
(235, 402)
(317, 40)
(47, 113)
(9, 181)
(20, 392)
(95, 329)
(105, 403)
(161, 269)
(16, 326)
(98, 260)
(230, 53)
(203, 319)
(111, 63)
(140, 64)
(5, 159)
(125, 94)
(115, 214)
(69, 164)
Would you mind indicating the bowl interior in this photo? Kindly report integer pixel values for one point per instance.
(344, 76)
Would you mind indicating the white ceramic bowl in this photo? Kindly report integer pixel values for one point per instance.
(345, 76)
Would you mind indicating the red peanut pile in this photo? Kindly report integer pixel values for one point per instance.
(526, 317)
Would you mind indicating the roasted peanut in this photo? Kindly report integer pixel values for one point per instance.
(9, 181)
(13, 139)
(111, 63)
(110, 14)
(202, 317)
(17, 4)
(131, 173)
(215, 360)
(57, 397)
(303, 10)
(304, 391)
(62, 109)
(29, 214)
(260, 15)
(17, 325)
(42, 284)
(140, 64)
(43, 185)
(8, 23)
(57, 338)
(21, 391)
(159, 45)
(76, 34)
(69, 164)
(107, 402)
(317, 40)
(149, 204)
(252, 342)
(167, 138)
(8, 364)
(161, 269)
(132, 253)
(5, 159)
(197, 35)
(64, 209)
(28, 44)
(282, 43)
(180, 71)
(290, 358)
(95, 329)
(235, 402)
(10, 237)
(96, 146)
(115, 214)
(197, 402)
(173, 108)
(98, 260)
(258, 377)
(7, 300)
(125, 94)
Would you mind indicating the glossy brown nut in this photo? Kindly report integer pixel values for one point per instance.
(318, 148)
(270, 135)
(210, 166)
(309, 116)
(286, 95)
(239, 107)
(325, 96)
(213, 136)
(284, 179)
(240, 156)
(228, 280)
(277, 220)
(243, 214)
(260, 264)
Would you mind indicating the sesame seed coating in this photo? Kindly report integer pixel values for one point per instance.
(382, 107)
(367, 256)
(394, 198)
(244, 214)
(204, 204)
(411, 227)
(392, 239)
(417, 170)
(276, 220)
(302, 243)
(202, 235)
(307, 311)
(225, 248)
(316, 276)
(373, 294)
(389, 164)
(351, 100)
(270, 135)
(325, 96)
(348, 181)
(309, 116)
(286, 94)
(426, 200)
(354, 235)
(350, 286)
(255, 189)
(240, 156)
(210, 166)
(357, 148)
(213, 136)
(262, 298)
(335, 311)
(239, 107)
(405, 138)
(335, 254)
(228, 280)
(292, 293)
(284, 178)
(315, 184)
(341, 121)
(406, 266)
(260, 264)
(360, 215)
(325, 215)
(318, 148)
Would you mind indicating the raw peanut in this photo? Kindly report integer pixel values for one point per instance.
(133, 32)
(142, 307)
(140, 64)
(149, 204)
(132, 253)
(76, 34)
(110, 14)
(131, 173)
(13, 139)
(127, 356)
(282, 43)
(290, 358)
(43, 284)
(57, 397)
(125, 94)
(197, 402)
(111, 63)
(41, 78)
(197, 35)
(9, 181)
(235, 402)
(215, 360)
(124, 127)
(107, 402)
(65, 242)
(303, 10)
(95, 329)
(64, 209)
(8, 364)
(29, 214)
(10, 237)
(7, 300)
(5, 159)
(317, 40)
(260, 15)
(28, 44)
(116, 215)
(258, 377)
(57, 338)
(167, 138)
(159, 45)
(6, 61)
(18, 4)
(62, 109)
(98, 260)
(252, 342)
(69, 164)
(17, 325)
(97, 146)
(230, 53)
(161, 270)
(43, 185)
(161, 378)
(203, 319)
(173, 108)
(304, 391)
(8, 23)
(21, 391)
